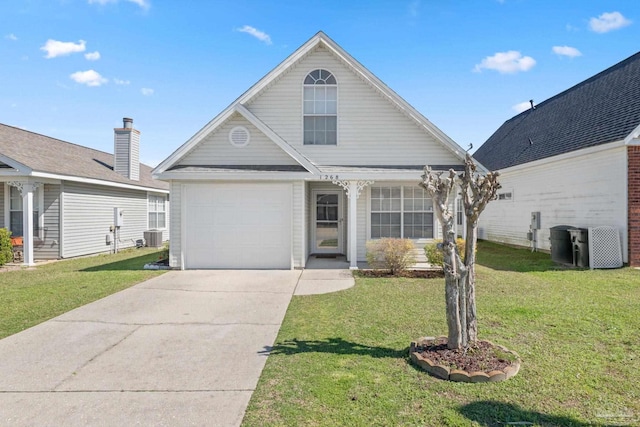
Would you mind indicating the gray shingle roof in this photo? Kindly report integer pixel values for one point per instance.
(604, 108)
(44, 154)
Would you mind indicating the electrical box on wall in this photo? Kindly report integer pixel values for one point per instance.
(118, 217)
(535, 220)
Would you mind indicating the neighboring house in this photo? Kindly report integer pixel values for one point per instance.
(575, 158)
(60, 197)
(317, 157)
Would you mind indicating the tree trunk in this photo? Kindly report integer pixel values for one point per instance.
(470, 294)
(453, 267)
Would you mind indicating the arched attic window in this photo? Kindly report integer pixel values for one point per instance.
(320, 108)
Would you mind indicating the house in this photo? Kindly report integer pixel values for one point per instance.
(575, 159)
(61, 197)
(317, 157)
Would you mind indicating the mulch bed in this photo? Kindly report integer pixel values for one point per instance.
(412, 274)
(482, 356)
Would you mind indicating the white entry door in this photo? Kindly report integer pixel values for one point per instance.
(327, 222)
(238, 226)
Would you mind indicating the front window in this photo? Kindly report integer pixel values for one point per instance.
(401, 211)
(320, 108)
(157, 214)
(16, 225)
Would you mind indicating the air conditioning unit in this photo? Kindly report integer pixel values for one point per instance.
(153, 238)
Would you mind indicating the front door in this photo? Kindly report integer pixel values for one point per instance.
(327, 222)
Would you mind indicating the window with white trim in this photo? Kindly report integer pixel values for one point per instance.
(320, 108)
(505, 195)
(401, 211)
(16, 225)
(157, 212)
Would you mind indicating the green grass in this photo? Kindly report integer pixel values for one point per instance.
(342, 359)
(31, 296)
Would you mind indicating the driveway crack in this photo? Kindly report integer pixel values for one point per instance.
(75, 372)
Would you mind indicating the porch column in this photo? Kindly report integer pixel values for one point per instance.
(353, 190)
(26, 191)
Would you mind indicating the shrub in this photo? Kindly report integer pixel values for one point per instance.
(6, 250)
(435, 255)
(164, 254)
(392, 254)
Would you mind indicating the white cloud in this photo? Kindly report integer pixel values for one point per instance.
(569, 51)
(608, 21)
(56, 48)
(89, 78)
(506, 62)
(121, 82)
(260, 35)
(146, 91)
(92, 56)
(11, 37)
(522, 106)
(144, 4)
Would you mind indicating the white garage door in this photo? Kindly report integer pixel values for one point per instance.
(238, 226)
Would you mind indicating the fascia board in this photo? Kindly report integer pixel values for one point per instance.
(233, 176)
(19, 167)
(632, 138)
(286, 147)
(46, 175)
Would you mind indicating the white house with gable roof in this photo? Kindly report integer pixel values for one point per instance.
(318, 157)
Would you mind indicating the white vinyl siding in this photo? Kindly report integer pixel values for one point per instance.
(585, 191)
(216, 149)
(127, 153)
(175, 224)
(298, 203)
(2, 214)
(88, 214)
(372, 131)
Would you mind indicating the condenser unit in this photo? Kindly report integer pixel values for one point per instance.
(153, 238)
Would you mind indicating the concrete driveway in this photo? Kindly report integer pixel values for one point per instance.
(185, 348)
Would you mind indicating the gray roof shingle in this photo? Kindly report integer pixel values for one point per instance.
(45, 154)
(604, 108)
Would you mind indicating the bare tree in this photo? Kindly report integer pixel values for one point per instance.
(477, 190)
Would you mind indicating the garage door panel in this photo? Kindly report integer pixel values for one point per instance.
(238, 226)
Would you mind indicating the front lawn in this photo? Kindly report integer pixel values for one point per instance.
(31, 296)
(342, 359)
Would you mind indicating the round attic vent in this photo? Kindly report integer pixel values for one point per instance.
(239, 136)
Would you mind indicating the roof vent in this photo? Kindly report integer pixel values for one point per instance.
(239, 136)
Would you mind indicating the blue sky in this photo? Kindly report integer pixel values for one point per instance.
(72, 69)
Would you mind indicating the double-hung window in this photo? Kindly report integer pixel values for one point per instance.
(157, 214)
(320, 105)
(401, 211)
(16, 225)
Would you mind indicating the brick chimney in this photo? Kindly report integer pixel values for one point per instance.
(126, 152)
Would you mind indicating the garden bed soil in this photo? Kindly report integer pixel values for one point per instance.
(481, 362)
(412, 274)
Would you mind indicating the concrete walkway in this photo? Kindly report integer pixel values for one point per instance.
(182, 349)
(185, 348)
